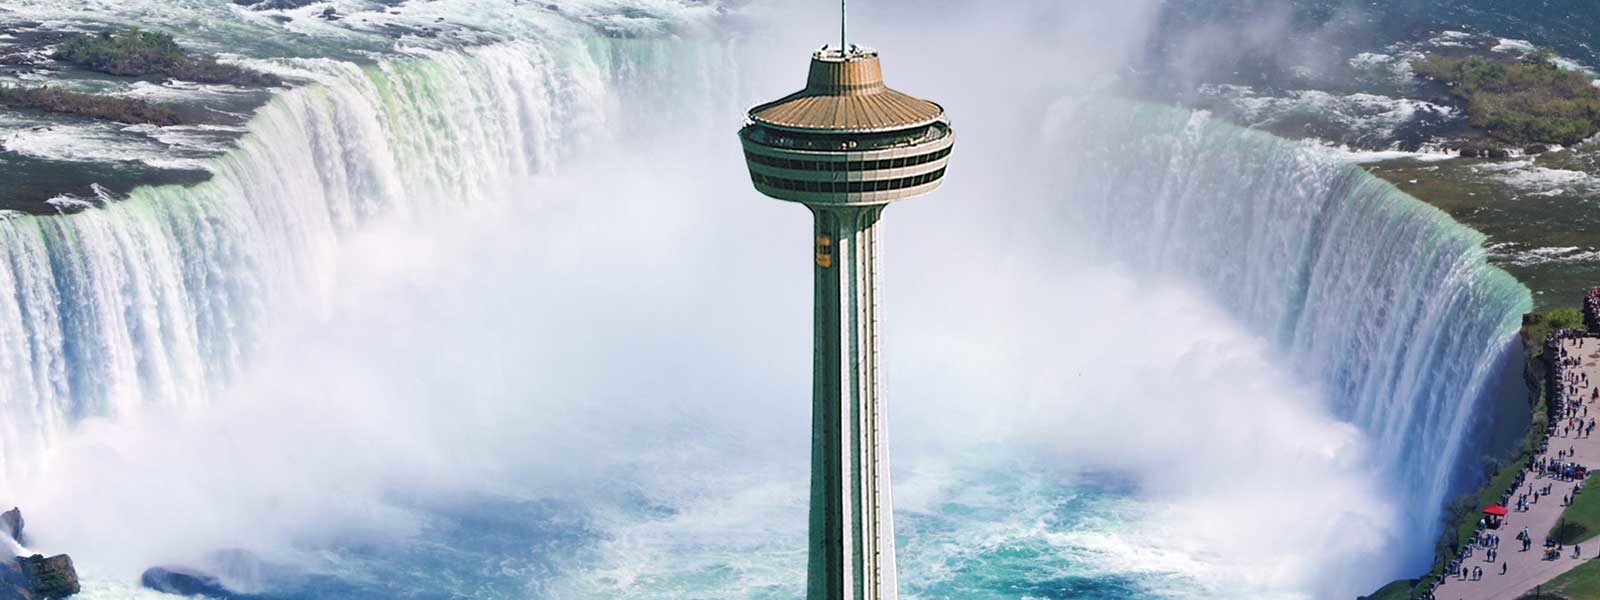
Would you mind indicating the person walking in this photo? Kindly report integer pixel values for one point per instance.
(1503, 568)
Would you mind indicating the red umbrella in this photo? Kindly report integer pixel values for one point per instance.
(1496, 510)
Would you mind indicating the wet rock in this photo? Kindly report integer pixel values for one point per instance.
(1536, 149)
(273, 4)
(11, 525)
(184, 581)
(47, 578)
(1479, 151)
(13, 584)
(19, 59)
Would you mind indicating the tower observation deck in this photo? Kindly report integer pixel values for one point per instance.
(847, 146)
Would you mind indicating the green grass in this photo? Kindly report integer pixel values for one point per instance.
(1581, 583)
(1528, 102)
(1396, 590)
(1581, 521)
(1537, 326)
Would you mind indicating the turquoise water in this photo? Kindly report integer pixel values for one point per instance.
(495, 547)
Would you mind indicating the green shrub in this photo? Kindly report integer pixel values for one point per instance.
(1537, 326)
(135, 53)
(1529, 102)
(132, 53)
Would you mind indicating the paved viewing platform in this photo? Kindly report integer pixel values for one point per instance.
(1526, 570)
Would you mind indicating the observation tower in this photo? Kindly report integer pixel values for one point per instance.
(847, 146)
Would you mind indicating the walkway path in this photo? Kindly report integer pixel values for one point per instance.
(1525, 570)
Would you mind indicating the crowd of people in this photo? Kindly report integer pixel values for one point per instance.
(1490, 542)
(1568, 417)
(1559, 468)
(1526, 500)
(1591, 309)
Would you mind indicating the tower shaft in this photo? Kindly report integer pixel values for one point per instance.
(846, 146)
(852, 524)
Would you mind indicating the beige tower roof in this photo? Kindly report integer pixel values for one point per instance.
(846, 93)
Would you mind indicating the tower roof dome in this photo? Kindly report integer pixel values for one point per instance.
(845, 93)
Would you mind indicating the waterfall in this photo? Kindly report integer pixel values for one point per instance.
(158, 298)
(1384, 302)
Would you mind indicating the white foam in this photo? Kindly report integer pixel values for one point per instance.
(1526, 174)
(1451, 39)
(80, 140)
(182, 91)
(1363, 114)
(1511, 45)
(69, 203)
(1541, 177)
(1346, 153)
(1515, 254)
(1570, 64)
(1396, 66)
(1368, 60)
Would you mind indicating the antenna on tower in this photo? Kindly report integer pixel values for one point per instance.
(844, 49)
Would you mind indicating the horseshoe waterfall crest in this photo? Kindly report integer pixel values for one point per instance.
(1385, 302)
(157, 299)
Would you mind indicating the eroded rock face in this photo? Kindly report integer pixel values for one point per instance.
(53, 577)
(183, 581)
(13, 584)
(11, 525)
